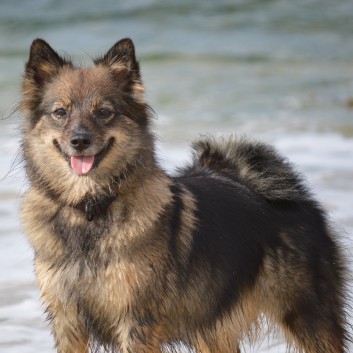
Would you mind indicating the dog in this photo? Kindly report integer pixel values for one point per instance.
(130, 259)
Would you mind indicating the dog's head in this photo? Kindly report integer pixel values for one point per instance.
(83, 125)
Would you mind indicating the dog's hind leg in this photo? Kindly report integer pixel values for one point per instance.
(314, 328)
(308, 306)
(226, 334)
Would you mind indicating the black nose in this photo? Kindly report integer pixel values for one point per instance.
(80, 141)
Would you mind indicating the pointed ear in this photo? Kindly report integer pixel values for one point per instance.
(44, 63)
(121, 57)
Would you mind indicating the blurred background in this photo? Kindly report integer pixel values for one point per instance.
(278, 70)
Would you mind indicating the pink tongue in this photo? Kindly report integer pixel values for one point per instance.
(82, 164)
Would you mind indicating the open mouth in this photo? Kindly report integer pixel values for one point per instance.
(83, 164)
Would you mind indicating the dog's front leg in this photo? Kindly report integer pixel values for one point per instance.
(69, 333)
(144, 340)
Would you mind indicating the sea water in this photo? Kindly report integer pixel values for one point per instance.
(276, 70)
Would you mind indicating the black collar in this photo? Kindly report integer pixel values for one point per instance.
(90, 206)
(95, 208)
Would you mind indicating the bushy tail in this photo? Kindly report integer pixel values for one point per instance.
(254, 164)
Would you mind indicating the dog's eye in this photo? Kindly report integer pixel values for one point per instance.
(103, 114)
(60, 113)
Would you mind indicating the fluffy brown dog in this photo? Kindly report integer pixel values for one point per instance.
(130, 259)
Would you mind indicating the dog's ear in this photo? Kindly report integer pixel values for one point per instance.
(121, 58)
(43, 63)
(42, 66)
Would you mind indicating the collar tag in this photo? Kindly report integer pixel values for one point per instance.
(90, 210)
(94, 208)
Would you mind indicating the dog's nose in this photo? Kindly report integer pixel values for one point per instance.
(80, 141)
